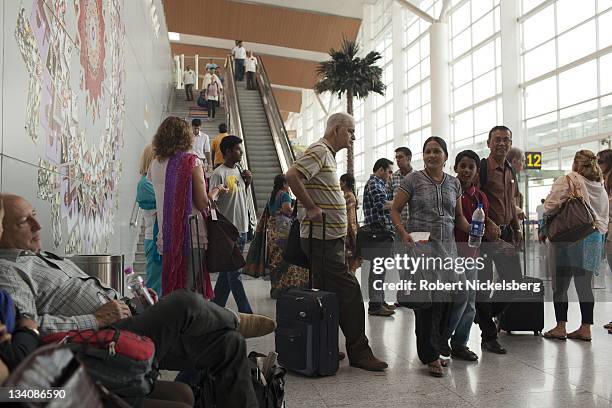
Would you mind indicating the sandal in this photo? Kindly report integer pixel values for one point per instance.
(575, 335)
(550, 335)
(436, 370)
(608, 326)
(444, 362)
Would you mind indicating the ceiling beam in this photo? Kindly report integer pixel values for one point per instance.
(407, 4)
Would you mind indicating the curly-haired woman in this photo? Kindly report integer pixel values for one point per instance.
(180, 191)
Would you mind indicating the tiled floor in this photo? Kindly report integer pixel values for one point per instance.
(535, 373)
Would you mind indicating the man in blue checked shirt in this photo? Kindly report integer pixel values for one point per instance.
(376, 204)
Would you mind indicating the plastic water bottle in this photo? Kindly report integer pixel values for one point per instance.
(477, 227)
(137, 287)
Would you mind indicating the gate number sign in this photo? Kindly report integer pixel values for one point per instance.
(533, 160)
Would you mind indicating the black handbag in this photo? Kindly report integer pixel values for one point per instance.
(374, 241)
(293, 252)
(223, 254)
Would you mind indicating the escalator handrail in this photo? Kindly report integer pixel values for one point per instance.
(233, 114)
(275, 121)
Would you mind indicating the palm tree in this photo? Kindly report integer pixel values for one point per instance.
(350, 74)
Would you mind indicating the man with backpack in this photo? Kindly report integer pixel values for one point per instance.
(188, 331)
(498, 182)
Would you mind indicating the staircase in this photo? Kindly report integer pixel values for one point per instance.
(261, 154)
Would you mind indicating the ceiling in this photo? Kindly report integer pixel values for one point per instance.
(291, 36)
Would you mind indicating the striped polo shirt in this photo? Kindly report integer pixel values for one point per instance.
(318, 166)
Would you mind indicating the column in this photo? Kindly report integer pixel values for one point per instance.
(399, 69)
(368, 104)
(177, 71)
(510, 57)
(440, 85)
(182, 70)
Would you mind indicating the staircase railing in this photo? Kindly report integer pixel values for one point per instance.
(282, 145)
(235, 125)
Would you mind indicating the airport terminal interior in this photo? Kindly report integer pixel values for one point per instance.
(85, 85)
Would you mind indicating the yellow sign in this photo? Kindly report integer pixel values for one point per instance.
(533, 160)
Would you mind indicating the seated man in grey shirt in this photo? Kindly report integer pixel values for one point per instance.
(188, 331)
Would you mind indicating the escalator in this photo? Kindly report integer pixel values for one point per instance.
(255, 117)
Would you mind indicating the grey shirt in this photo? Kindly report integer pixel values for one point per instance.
(432, 207)
(233, 204)
(52, 291)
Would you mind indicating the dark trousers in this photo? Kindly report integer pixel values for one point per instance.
(189, 91)
(583, 281)
(508, 268)
(431, 325)
(190, 332)
(238, 69)
(330, 273)
(211, 105)
(251, 80)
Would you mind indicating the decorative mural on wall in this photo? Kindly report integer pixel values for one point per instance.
(73, 52)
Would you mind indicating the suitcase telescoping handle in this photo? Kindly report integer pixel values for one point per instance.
(310, 277)
(193, 225)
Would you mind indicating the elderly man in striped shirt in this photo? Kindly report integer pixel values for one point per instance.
(314, 181)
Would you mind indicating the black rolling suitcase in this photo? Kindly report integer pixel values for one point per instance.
(525, 311)
(307, 328)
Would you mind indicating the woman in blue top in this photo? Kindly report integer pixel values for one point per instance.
(145, 197)
(434, 205)
(282, 274)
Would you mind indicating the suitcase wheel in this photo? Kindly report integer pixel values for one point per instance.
(537, 333)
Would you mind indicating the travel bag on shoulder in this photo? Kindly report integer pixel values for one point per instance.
(121, 360)
(293, 252)
(307, 327)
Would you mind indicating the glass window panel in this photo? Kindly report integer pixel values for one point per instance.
(424, 46)
(415, 142)
(483, 28)
(572, 12)
(540, 60)
(381, 135)
(413, 31)
(484, 117)
(577, 43)
(541, 97)
(528, 5)
(603, 5)
(462, 97)
(426, 114)
(606, 114)
(414, 75)
(480, 8)
(389, 113)
(605, 67)
(414, 98)
(414, 120)
(500, 111)
(484, 87)
(461, 43)
(460, 19)
(426, 92)
(484, 59)
(586, 76)
(464, 125)
(605, 29)
(462, 71)
(497, 12)
(425, 68)
(539, 28)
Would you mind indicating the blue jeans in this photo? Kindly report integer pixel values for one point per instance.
(239, 69)
(462, 312)
(232, 281)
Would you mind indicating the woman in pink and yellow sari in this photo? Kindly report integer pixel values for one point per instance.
(180, 191)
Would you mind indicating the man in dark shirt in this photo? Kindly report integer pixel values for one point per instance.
(501, 189)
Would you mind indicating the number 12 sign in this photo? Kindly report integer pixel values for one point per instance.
(533, 160)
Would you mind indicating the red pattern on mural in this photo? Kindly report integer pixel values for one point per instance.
(91, 33)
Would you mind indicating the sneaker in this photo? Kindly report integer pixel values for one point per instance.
(389, 306)
(341, 355)
(463, 353)
(369, 363)
(381, 311)
(252, 325)
(494, 347)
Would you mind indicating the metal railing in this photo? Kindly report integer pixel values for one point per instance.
(280, 138)
(235, 125)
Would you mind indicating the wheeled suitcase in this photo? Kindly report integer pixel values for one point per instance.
(525, 311)
(307, 328)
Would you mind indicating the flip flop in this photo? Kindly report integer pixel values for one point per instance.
(608, 326)
(576, 336)
(435, 371)
(550, 335)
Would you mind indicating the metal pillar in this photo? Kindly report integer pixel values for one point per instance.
(440, 85)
